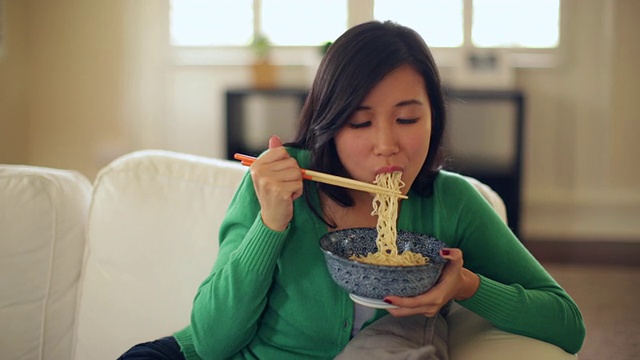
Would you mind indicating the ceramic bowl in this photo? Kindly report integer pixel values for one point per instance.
(377, 281)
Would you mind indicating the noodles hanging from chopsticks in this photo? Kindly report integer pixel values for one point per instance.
(386, 207)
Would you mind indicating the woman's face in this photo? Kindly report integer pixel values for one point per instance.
(390, 130)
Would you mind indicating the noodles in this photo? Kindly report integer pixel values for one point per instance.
(386, 207)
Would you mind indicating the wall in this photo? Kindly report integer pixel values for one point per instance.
(96, 85)
(76, 52)
(96, 82)
(582, 117)
(13, 85)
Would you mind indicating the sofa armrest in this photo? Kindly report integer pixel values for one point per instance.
(491, 196)
(43, 215)
(473, 338)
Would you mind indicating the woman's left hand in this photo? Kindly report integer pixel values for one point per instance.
(456, 282)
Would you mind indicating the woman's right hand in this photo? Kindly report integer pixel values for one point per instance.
(278, 181)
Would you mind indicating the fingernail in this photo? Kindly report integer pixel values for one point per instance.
(445, 251)
(387, 301)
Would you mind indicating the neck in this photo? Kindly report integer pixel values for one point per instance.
(358, 215)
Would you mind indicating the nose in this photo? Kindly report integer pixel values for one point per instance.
(386, 141)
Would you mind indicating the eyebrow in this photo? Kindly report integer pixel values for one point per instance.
(400, 104)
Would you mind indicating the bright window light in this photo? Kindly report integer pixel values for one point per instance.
(521, 23)
(304, 23)
(511, 24)
(211, 22)
(440, 22)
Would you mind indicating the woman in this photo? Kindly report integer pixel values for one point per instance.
(376, 105)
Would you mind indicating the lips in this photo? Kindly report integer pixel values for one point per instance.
(388, 169)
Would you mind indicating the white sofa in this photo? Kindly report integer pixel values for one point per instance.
(88, 270)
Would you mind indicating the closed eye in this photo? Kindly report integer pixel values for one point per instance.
(359, 125)
(407, 121)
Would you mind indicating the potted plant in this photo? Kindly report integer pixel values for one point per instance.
(325, 47)
(264, 72)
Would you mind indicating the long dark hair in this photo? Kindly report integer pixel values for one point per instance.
(352, 66)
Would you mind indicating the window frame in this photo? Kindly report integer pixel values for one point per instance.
(359, 11)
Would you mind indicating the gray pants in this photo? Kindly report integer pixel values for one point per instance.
(410, 338)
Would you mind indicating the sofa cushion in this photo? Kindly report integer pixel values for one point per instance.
(152, 239)
(43, 213)
(473, 338)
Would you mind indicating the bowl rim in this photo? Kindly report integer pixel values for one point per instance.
(439, 261)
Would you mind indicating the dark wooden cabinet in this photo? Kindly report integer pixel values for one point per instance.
(483, 139)
(253, 115)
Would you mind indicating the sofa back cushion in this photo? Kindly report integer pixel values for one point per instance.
(152, 239)
(43, 213)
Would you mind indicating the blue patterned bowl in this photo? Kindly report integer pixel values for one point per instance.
(378, 281)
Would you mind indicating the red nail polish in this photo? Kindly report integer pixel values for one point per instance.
(387, 301)
(445, 251)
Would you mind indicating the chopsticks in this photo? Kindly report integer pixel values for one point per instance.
(247, 160)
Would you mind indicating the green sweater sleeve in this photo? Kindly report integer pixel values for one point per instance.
(516, 293)
(228, 304)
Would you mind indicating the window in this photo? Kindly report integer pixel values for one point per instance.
(231, 23)
(309, 23)
(440, 22)
(522, 23)
(298, 27)
(211, 22)
(493, 23)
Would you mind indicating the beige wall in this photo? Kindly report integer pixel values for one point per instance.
(624, 172)
(94, 81)
(76, 83)
(97, 80)
(13, 85)
(581, 177)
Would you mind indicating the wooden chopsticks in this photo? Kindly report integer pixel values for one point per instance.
(331, 179)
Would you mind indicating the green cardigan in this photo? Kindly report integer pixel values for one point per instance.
(270, 296)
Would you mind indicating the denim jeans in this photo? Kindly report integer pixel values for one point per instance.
(166, 348)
